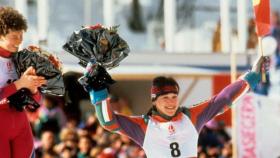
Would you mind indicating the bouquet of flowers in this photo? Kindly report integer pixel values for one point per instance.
(46, 65)
(98, 48)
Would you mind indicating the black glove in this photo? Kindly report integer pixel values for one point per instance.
(96, 78)
(23, 99)
(261, 64)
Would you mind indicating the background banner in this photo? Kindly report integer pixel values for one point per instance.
(257, 127)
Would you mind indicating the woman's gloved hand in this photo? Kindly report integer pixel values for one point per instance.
(261, 64)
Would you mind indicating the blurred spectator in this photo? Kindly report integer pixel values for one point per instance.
(84, 147)
(99, 132)
(220, 131)
(67, 152)
(116, 143)
(51, 116)
(212, 151)
(103, 140)
(89, 127)
(202, 155)
(207, 138)
(69, 138)
(94, 152)
(49, 155)
(133, 151)
(226, 151)
(107, 153)
(214, 142)
(72, 123)
(125, 139)
(47, 145)
(120, 105)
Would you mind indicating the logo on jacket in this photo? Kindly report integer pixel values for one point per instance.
(171, 129)
(9, 66)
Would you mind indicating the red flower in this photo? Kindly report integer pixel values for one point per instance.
(97, 26)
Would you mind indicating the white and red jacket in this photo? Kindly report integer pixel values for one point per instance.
(16, 139)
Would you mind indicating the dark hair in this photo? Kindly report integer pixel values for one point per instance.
(161, 82)
(11, 19)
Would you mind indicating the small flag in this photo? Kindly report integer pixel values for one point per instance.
(262, 16)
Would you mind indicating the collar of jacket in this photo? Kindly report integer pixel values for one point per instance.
(164, 118)
(5, 53)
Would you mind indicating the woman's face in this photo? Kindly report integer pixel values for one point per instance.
(11, 41)
(167, 104)
(84, 145)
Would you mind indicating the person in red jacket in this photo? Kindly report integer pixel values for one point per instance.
(16, 140)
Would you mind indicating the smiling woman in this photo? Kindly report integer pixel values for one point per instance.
(164, 94)
(15, 133)
(168, 129)
(12, 40)
(167, 104)
(13, 24)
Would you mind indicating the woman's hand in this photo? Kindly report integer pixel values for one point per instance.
(262, 64)
(30, 80)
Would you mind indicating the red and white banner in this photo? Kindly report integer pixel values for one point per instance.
(257, 121)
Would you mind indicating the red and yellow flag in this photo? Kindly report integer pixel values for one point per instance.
(262, 15)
